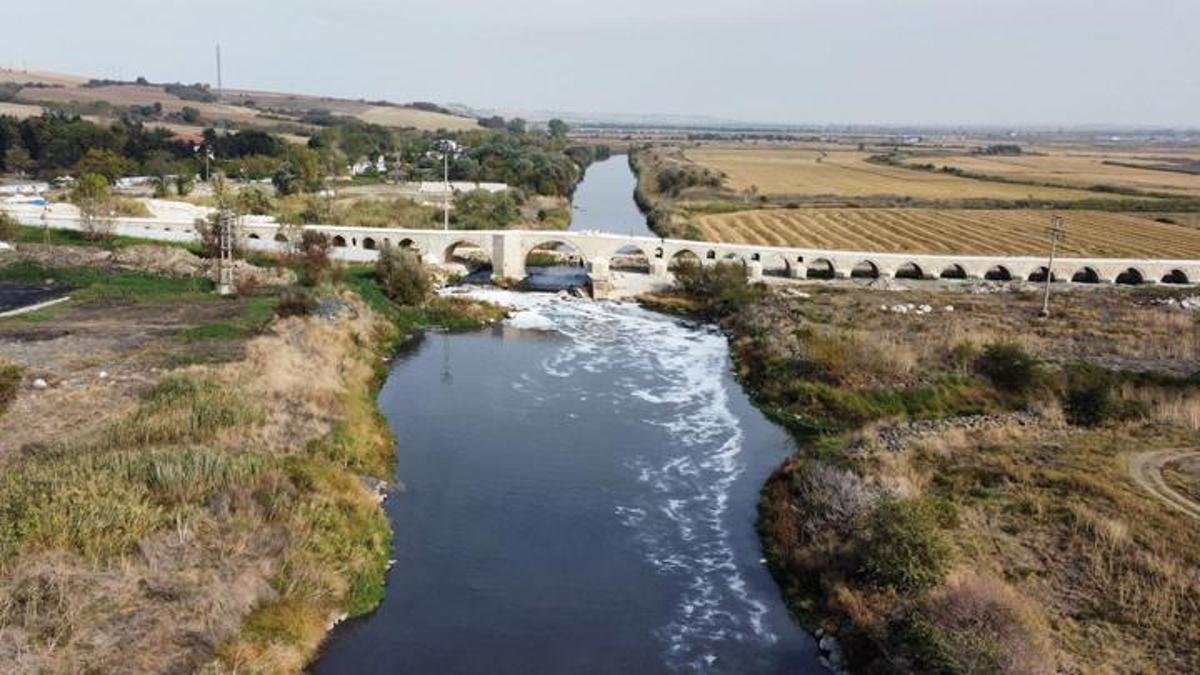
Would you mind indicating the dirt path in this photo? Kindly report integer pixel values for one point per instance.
(1146, 470)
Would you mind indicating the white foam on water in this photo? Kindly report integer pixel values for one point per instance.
(679, 518)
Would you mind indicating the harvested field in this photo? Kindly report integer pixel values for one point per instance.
(131, 94)
(1081, 170)
(1013, 232)
(810, 172)
(392, 116)
(20, 110)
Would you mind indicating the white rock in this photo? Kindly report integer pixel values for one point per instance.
(948, 309)
(40, 384)
(926, 309)
(103, 374)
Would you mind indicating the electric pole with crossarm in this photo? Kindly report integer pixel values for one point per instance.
(1057, 233)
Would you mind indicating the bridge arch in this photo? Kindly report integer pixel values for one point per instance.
(464, 252)
(369, 243)
(776, 265)
(631, 258)
(1176, 277)
(865, 269)
(953, 271)
(252, 235)
(684, 256)
(910, 270)
(1132, 276)
(1086, 275)
(281, 238)
(998, 273)
(550, 252)
(1038, 275)
(820, 268)
(338, 241)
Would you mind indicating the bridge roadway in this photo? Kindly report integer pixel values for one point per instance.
(508, 250)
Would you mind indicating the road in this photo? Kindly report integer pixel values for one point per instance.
(1146, 470)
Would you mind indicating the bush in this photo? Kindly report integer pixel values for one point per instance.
(1089, 398)
(9, 227)
(314, 257)
(10, 381)
(295, 302)
(255, 201)
(1008, 367)
(402, 276)
(976, 624)
(903, 544)
(723, 288)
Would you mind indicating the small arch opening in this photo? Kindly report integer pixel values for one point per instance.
(954, 272)
(684, 257)
(254, 236)
(1176, 277)
(1038, 276)
(1087, 275)
(998, 273)
(711, 255)
(339, 241)
(910, 271)
(281, 238)
(1131, 277)
(865, 270)
(369, 243)
(820, 269)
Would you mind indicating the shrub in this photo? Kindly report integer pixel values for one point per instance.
(10, 381)
(314, 257)
(402, 276)
(1089, 398)
(977, 624)
(295, 302)
(255, 201)
(903, 544)
(9, 227)
(723, 288)
(1008, 367)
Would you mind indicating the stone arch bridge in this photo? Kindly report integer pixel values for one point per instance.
(508, 251)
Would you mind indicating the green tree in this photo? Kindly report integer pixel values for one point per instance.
(483, 210)
(90, 194)
(902, 544)
(106, 163)
(189, 114)
(558, 128)
(402, 276)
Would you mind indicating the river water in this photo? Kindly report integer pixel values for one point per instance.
(578, 495)
(603, 201)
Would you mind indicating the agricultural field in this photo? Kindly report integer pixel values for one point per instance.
(978, 231)
(1084, 170)
(20, 110)
(809, 172)
(394, 116)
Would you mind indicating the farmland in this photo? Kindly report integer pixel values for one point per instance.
(1082, 170)
(999, 231)
(809, 172)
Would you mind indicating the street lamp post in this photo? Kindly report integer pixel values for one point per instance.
(1057, 233)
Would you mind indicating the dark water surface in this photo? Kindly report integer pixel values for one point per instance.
(580, 490)
(603, 201)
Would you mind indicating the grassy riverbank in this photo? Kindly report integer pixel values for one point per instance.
(961, 501)
(179, 497)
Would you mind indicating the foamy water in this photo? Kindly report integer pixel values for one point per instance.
(679, 520)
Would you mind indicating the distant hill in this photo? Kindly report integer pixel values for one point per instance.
(25, 93)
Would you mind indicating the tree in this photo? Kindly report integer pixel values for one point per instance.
(482, 210)
(314, 257)
(516, 126)
(558, 128)
(402, 276)
(189, 114)
(106, 163)
(91, 195)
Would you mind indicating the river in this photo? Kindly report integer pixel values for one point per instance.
(579, 495)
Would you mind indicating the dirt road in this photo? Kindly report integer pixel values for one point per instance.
(1146, 470)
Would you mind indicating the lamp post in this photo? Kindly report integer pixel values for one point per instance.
(1057, 233)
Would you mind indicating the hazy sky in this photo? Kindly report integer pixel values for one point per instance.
(818, 61)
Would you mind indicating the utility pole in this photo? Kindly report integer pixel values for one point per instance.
(446, 196)
(1057, 233)
(220, 85)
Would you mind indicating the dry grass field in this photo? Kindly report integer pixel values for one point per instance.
(1083, 170)
(392, 116)
(1015, 232)
(20, 110)
(846, 173)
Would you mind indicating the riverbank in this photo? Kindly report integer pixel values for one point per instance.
(961, 501)
(190, 482)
